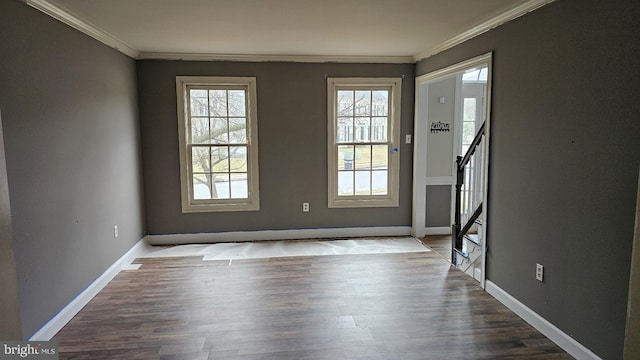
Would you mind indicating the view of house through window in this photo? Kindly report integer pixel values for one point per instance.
(364, 126)
(218, 143)
(363, 150)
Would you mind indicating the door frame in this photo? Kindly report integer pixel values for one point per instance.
(421, 121)
(632, 332)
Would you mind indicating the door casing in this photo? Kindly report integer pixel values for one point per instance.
(421, 127)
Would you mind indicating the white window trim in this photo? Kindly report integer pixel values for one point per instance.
(391, 199)
(252, 203)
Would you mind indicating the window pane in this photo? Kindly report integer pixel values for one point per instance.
(200, 130)
(380, 157)
(363, 183)
(218, 102)
(345, 103)
(379, 182)
(201, 186)
(345, 130)
(362, 127)
(221, 186)
(483, 74)
(236, 103)
(219, 131)
(345, 183)
(220, 158)
(363, 103)
(471, 75)
(468, 132)
(198, 93)
(363, 157)
(380, 103)
(200, 161)
(379, 129)
(239, 186)
(237, 130)
(469, 113)
(345, 157)
(238, 158)
(199, 105)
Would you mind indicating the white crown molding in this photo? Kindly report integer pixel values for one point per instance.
(278, 58)
(83, 26)
(485, 26)
(104, 37)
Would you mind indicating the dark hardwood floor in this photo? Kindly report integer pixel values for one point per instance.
(441, 244)
(384, 306)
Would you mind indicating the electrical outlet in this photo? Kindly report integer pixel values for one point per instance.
(539, 272)
(115, 231)
(407, 139)
(305, 207)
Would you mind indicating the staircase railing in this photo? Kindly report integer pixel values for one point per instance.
(468, 205)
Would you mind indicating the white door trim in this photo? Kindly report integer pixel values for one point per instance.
(485, 171)
(418, 224)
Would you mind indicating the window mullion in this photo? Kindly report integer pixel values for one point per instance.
(229, 169)
(371, 169)
(210, 174)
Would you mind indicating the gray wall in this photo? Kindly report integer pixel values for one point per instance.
(440, 153)
(10, 327)
(72, 148)
(438, 212)
(440, 157)
(564, 161)
(292, 130)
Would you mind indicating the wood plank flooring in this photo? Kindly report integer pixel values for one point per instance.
(384, 306)
(441, 244)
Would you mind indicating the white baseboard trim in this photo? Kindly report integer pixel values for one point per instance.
(566, 342)
(262, 235)
(72, 308)
(445, 230)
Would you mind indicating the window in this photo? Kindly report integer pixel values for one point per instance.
(364, 137)
(468, 123)
(218, 143)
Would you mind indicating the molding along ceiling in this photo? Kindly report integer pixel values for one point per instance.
(83, 26)
(485, 26)
(344, 31)
(278, 58)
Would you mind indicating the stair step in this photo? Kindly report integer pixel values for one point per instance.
(479, 222)
(462, 253)
(474, 238)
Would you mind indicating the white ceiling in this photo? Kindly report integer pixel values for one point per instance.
(384, 29)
